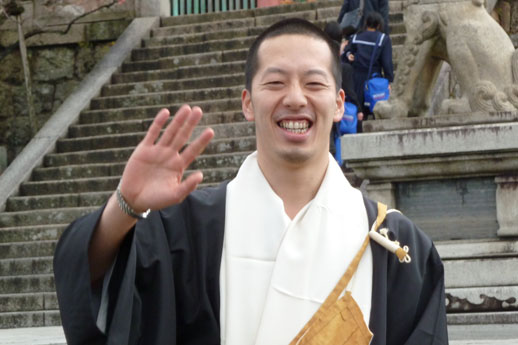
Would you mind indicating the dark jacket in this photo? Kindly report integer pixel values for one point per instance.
(165, 284)
(362, 47)
(380, 6)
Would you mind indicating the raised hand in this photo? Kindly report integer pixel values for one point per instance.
(152, 179)
(153, 175)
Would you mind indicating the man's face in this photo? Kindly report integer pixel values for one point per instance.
(294, 100)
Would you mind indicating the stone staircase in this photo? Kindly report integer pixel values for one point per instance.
(481, 289)
(197, 60)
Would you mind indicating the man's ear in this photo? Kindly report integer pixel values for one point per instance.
(246, 105)
(340, 99)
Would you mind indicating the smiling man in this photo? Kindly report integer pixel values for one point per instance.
(262, 259)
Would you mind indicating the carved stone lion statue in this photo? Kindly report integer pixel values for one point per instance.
(480, 53)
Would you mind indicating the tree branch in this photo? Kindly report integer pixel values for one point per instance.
(12, 47)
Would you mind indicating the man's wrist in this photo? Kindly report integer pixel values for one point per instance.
(126, 208)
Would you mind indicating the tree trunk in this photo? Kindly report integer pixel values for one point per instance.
(27, 75)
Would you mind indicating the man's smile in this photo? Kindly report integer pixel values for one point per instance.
(295, 126)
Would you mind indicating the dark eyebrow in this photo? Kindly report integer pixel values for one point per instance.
(316, 71)
(271, 70)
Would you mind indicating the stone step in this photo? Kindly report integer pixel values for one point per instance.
(72, 186)
(186, 29)
(140, 125)
(28, 302)
(209, 17)
(31, 233)
(73, 172)
(27, 284)
(157, 52)
(137, 113)
(95, 199)
(235, 23)
(483, 248)
(140, 88)
(23, 265)
(176, 61)
(267, 20)
(88, 157)
(85, 192)
(398, 34)
(41, 217)
(122, 155)
(397, 28)
(91, 199)
(184, 72)
(510, 317)
(159, 39)
(30, 319)
(492, 334)
(481, 272)
(157, 98)
(209, 39)
(482, 299)
(202, 37)
(221, 132)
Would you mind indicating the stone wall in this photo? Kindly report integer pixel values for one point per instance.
(56, 71)
(58, 62)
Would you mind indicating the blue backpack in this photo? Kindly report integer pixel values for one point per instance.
(349, 120)
(347, 125)
(375, 88)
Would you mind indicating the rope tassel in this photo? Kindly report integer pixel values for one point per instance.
(392, 246)
(383, 239)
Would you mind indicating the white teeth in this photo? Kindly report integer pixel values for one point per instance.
(297, 127)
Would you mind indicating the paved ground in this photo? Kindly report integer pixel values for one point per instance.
(32, 336)
(459, 335)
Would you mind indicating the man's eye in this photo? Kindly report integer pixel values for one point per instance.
(316, 84)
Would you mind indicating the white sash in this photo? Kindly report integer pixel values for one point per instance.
(276, 272)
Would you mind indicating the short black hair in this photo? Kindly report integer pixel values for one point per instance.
(374, 20)
(292, 26)
(334, 31)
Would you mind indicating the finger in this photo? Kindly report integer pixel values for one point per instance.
(156, 126)
(183, 135)
(196, 147)
(176, 124)
(187, 186)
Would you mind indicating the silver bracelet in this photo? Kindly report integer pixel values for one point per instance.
(127, 208)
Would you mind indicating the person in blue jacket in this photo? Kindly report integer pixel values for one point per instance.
(360, 49)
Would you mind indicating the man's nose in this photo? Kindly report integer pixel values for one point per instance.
(295, 97)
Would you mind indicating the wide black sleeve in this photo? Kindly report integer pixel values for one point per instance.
(408, 300)
(416, 312)
(79, 302)
(164, 288)
(431, 327)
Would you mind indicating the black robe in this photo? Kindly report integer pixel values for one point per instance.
(165, 285)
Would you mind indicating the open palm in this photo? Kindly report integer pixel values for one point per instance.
(152, 178)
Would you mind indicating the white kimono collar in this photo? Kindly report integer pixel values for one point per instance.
(275, 271)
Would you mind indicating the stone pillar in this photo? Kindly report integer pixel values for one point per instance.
(382, 192)
(507, 205)
(153, 8)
